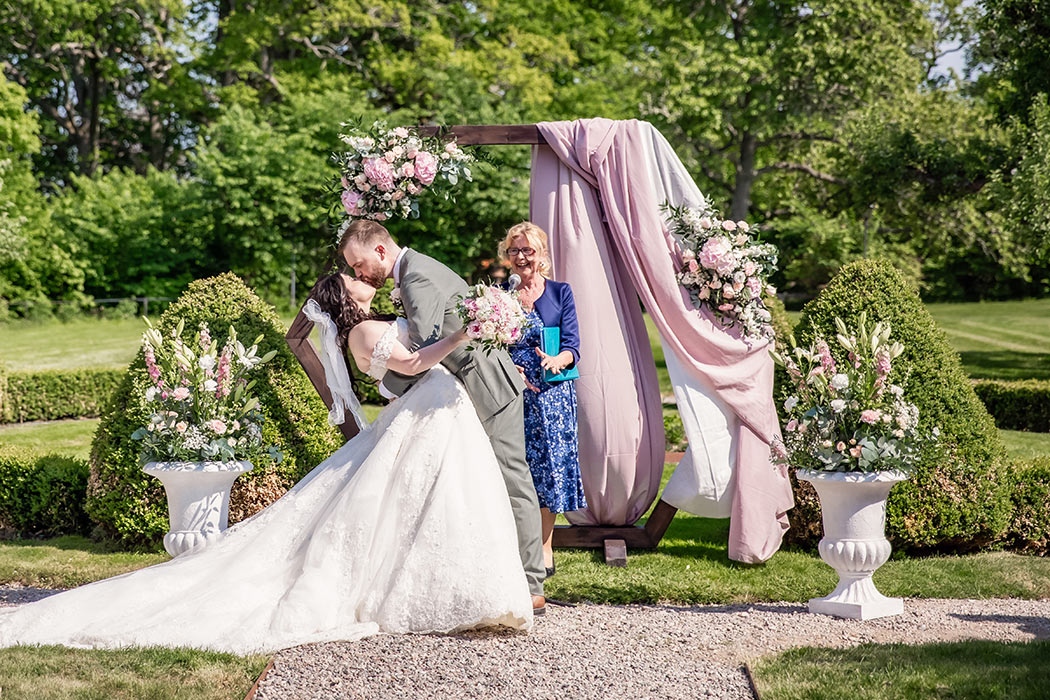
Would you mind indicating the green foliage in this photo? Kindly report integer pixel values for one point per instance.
(1030, 496)
(674, 434)
(1012, 51)
(130, 505)
(1022, 189)
(56, 394)
(957, 499)
(1017, 405)
(42, 495)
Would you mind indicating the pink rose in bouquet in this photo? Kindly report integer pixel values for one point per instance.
(426, 167)
(380, 173)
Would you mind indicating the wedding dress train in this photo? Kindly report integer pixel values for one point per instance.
(406, 528)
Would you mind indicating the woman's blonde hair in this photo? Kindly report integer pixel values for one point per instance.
(537, 239)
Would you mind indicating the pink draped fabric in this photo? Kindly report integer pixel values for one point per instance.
(596, 167)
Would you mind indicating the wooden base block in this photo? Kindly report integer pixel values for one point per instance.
(615, 552)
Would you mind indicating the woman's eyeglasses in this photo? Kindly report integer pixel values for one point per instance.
(527, 252)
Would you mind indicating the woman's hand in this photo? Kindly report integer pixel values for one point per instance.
(461, 336)
(556, 363)
(528, 384)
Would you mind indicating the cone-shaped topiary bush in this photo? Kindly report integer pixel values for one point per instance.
(957, 499)
(128, 504)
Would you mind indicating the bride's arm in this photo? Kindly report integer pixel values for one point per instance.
(364, 336)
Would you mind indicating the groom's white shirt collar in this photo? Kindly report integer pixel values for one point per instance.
(396, 273)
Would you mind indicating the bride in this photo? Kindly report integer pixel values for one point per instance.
(406, 528)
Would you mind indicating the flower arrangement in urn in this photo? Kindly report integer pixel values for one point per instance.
(725, 269)
(202, 410)
(384, 171)
(849, 417)
(492, 316)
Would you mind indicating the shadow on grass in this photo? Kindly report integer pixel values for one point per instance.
(78, 543)
(1006, 364)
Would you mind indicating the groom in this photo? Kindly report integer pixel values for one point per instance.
(429, 292)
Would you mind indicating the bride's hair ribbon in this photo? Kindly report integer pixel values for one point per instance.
(335, 371)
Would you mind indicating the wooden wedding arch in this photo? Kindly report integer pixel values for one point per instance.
(614, 540)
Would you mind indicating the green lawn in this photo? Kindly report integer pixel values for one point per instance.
(972, 669)
(66, 437)
(57, 673)
(65, 562)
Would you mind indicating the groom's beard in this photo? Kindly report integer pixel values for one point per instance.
(373, 280)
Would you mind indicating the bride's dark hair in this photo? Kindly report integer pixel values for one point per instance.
(331, 295)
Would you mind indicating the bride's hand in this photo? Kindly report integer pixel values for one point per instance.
(528, 384)
(461, 336)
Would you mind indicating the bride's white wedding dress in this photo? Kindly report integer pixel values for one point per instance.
(406, 528)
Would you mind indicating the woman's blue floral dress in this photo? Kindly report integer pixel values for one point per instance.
(551, 446)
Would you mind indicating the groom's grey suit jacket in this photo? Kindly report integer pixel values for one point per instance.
(429, 294)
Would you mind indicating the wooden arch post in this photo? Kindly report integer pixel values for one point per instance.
(614, 540)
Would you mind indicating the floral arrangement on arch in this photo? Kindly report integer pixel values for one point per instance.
(201, 407)
(849, 417)
(725, 269)
(493, 317)
(384, 171)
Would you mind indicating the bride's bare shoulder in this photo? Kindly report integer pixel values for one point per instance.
(368, 331)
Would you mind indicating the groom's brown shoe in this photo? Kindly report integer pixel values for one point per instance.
(539, 605)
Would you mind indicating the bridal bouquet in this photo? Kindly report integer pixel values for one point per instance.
(384, 171)
(725, 269)
(849, 417)
(493, 317)
(199, 397)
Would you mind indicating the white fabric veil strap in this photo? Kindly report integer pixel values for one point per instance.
(335, 372)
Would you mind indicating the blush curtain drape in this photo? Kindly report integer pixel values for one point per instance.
(597, 188)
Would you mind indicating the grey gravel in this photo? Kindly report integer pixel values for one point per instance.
(636, 652)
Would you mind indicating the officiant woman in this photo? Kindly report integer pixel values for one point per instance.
(546, 356)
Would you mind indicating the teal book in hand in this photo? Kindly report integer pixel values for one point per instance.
(550, 343)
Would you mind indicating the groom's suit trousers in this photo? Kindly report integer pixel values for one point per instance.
(506, 431)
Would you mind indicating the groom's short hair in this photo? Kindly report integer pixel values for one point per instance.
(365, 232)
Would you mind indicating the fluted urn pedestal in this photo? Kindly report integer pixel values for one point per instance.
(853, 508)
(198, 499)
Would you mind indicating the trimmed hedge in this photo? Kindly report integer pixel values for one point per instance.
(42, 495)
(958, 499)
(1030, 496)
(1017, 405)
(56, 394)
(129, 505)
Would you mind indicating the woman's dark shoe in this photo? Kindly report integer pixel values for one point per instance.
(551, 569)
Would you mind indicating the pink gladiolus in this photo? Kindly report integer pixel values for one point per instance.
(827, 362)
(426, 167)
(380, 173)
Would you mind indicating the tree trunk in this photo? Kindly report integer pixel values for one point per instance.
(745, 177)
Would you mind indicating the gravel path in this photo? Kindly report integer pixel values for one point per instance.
(630, 652)
(636, 652)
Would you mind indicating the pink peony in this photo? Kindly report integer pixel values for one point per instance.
(352, 201)
(426, 167)
(717, 254)
(870, 416)
(380, 173)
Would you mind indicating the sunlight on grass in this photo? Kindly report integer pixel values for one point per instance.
(66, 562)
(87, 342)
(65, 437)
(1022, 445)
(58, 673)
(972, 669)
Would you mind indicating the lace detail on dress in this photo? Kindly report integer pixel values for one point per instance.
(381, 353)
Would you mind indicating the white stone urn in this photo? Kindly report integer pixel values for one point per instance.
(198, 499)
(853, 508)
